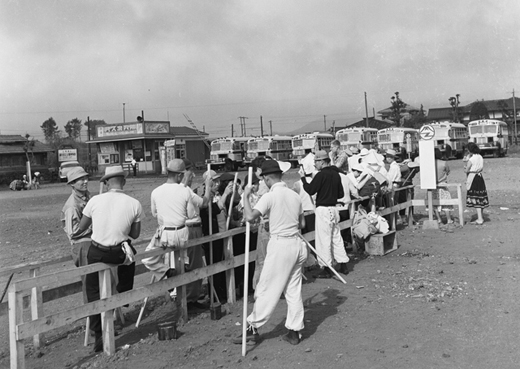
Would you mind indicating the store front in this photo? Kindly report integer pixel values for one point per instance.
(120, 143)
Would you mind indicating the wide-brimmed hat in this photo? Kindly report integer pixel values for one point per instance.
(213, 175)
(354, 149)
(364, 151)
(270, 167)
(284, 165)
(321, 155)
(187, 163)
(391, 153)
(176, 166)
(75, 173)
(113, 171)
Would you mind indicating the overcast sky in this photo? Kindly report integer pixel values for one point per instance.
(290, 61)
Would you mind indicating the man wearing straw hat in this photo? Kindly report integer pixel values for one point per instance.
(115, 218)
(286, 253)
(328, 189)
(72, 212)
(169, 204)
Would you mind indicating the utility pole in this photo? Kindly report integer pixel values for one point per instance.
(261, 127)
(271, 126)
(334, 127)
(325, 123)
(89, 152)
(243, 125)
(514, 115)
(124, 112)
(232, 131)
(366, 109)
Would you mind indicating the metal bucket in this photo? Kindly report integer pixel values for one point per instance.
(216, 311)
(167, 331)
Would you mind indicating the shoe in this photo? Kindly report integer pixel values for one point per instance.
(342, 268)
(476, 222)
(292, 337)
(98, 344)
(325, 274)
(252, 337)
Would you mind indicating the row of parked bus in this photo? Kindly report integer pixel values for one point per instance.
(450, 138)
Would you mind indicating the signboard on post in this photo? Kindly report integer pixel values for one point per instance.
(67, 155)
(428, 168)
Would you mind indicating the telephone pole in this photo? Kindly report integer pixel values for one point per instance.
(243, 125)
(89, 152)
(325, 123)
(514, 115)
(261, 127)
(124, 112)
(366, 109)
(271, 126)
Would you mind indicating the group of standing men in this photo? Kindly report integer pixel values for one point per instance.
(100, 229)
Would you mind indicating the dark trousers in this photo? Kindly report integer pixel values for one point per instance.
(125, 274)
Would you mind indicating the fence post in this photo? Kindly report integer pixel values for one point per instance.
(17, 348)
(461, 204)
(230, 273)
(36, 304)
(180, 260)
(351, 214)
(107, 317)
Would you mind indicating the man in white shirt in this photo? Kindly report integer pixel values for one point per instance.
(169, 204)
(115, 218)
(282, 271)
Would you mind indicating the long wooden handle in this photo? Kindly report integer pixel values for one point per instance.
(246, 268)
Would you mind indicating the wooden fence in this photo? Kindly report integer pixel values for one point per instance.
(33, 292)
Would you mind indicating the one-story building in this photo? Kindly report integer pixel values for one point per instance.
(13, 157)
(144, 141)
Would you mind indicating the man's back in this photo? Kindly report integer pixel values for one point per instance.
(170, 204)
(112, 214)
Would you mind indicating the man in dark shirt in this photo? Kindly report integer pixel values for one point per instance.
(328, 189)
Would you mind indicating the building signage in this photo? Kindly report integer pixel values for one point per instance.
(120, 130)
(157, 127)
(67, 155)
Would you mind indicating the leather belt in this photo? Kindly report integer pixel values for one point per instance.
(174, 228)
(193, 225)
(106, 248)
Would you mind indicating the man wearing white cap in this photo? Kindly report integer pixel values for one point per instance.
(72, 212)
(169, 204)
(115, 218)
(328, 189)
(394, 171)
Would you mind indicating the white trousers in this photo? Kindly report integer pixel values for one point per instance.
(282, 272)
(162, 239)
(329, 243)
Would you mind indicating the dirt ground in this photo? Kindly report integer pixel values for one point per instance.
(444, 299)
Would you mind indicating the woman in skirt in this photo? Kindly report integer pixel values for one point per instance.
(477, 194)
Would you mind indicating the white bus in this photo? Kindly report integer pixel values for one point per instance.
(451, 139)
(491, 136)
(357, 136)
(277, 147)
(232, 148)
(396, 138)
(305, 143)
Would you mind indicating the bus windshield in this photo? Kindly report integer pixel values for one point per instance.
(262, 145)
(486, 129)
(215, 146)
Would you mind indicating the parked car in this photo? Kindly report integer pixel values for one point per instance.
(65, 167)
